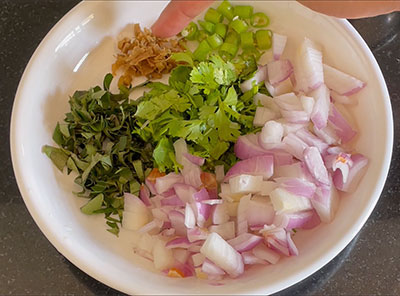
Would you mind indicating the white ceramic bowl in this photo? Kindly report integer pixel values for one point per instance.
(77, 53)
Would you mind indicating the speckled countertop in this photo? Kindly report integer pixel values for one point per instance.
(29, 264)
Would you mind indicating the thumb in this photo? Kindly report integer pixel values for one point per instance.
(176, 16)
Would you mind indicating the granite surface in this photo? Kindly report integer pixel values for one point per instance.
(29, 264)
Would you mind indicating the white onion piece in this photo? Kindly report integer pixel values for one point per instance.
(356, 172)
(279, 71)
(257, 166)
(311, 140)
(295, 116)
(271, 133)
(172, 201)
(343, 99)
(227, 195)
(181, 255)
(245, 242)
(212, 269)
(259, 76)
(198, 259)
(242, 209)
(327, 134)
(159, 214)
(190, 172)
(220, 214)
(289, 102)
(296, 170)
(315, 164)
(267, 187)
(145, 245)
(219, 173)
(185, 192)
(212, 202)
(267, 102)
(295, 146)
(144, 195)
(286, 202)
(298, 220)
(163, 257)
(340, 82)
(225, 230)
(283, 87)
(216, 249)
(153, 225)
(136, 214)
(180, 242)
(263, 115)
(320, 113)
(190, 219)
(197, 234)
(308, 68)
(264, 253)
(250, 259)
(167, 182)
(278, 45)
(326, 202)
(279, 246)
(247, 146)
(307, 103)
(260, 211)
(194, 159)
(232, 208)
(178, 222)
(245, 184)
(290, 128)
(297, 186)
(342, 128)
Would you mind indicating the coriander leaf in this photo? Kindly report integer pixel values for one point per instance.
(57, 156)
(203, 75)
(231, 97)
(224, 72)
(227, 130)
(93, 205)
(107, 81)
(183, 57)
(164, 155)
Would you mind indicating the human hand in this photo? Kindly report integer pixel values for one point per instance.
(178, 13)
(176, 16)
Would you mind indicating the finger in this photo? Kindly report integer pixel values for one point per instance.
(176, 16)
(352, 9)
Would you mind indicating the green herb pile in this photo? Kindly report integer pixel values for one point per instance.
(112, 143)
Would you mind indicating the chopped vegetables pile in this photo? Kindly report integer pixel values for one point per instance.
(220, 167)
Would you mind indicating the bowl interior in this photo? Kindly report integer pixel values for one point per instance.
(78, 52)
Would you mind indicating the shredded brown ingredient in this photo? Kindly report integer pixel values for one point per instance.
(144, 55)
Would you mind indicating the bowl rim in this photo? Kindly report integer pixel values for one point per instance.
(291, 280)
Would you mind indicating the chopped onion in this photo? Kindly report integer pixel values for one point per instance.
(298, 220)
(265, 253)
(257, 166)
(181, 255)
(267, 187)
(271, 133)
(194, 159)
(136, 214)
(297, 186)
(178, 222)
(167, 182)
(325, 202)
(247, 146)
(320, 113)
(336, 98)
(197, 234)
(342, 128)
(144, 195)
(289, 102)
(245, 242)
(356, 172)
(245, 184)
(279, 71)
(172, 201)
(295, 146)
(278, 45)
(190, 219)
(315, 165)
(225, 230)
(267, 102)
(153, 225)
(259, 76)
(180, 242)
(283, 87)
(242, 225)
(220, 214)
(216, 249)
(340, 82)
(286, 202)
(210, 268)
(250, 259)
(163, 257)
(263, 115)
(307, 103)
(311, 140)
(260, 211)
(185, 192)
(198, 259)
